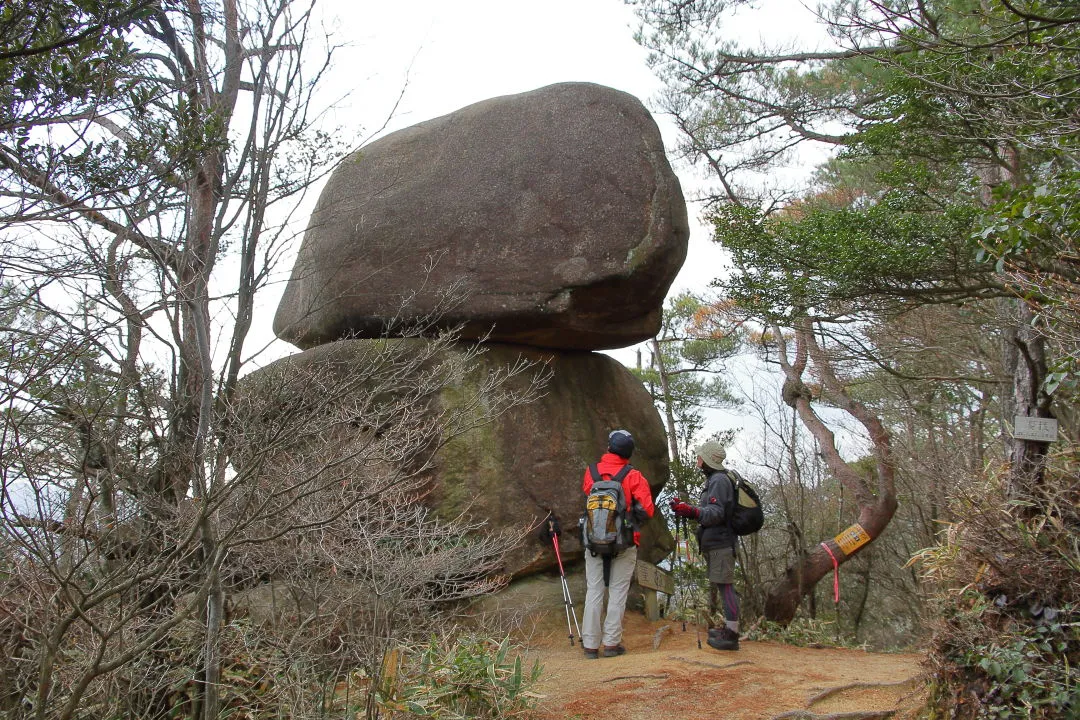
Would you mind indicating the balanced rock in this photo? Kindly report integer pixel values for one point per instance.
(508, 472)
(550, 218)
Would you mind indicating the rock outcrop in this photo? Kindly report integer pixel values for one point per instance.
(541, 225)
(551, 217)
(508, 473)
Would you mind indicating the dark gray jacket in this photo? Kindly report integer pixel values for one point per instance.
(716, 498)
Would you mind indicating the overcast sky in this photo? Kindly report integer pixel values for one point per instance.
(460, 52)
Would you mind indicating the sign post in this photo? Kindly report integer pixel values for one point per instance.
(653, 579)
(1039, 429)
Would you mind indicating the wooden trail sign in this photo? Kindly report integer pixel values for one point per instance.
(652, 577)
(1035, 428)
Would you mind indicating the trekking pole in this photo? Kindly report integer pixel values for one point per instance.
(697, 605)
(568, 602)
(682, 594)
(697, 624)
(697, 615)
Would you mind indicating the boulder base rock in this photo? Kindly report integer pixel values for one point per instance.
(510, 472)
(533, 459)
(551, 218)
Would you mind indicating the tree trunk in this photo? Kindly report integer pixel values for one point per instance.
(876, 507)
(669, 415)
(864, 598)
(1027, 457)
(215, 614)
(784, 596)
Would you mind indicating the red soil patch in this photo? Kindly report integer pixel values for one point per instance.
(678, 681)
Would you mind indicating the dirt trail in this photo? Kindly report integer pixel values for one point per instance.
(678, 681)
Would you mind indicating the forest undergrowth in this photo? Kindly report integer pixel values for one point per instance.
(1008, 639)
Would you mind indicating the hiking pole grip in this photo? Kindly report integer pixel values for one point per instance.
(555, 542)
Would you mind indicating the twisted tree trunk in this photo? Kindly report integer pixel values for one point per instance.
(876, 505)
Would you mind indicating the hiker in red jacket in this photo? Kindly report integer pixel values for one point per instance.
(607, 639)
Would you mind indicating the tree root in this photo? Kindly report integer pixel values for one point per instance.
(857, 715)
(855, 686)
(659, 634)
(712, 665)
(661, 676)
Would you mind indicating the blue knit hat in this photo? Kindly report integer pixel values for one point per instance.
(621, 443)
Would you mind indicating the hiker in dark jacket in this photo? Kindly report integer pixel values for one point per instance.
(716, 540)
(606, 639)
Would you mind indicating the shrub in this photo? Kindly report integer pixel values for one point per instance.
(466, 678)
(1009, 574)
(803, 632)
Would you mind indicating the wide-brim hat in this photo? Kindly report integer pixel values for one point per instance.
(712, 453)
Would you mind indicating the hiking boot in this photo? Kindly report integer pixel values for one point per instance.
(592, 653)
(614, 650)
(723, 639)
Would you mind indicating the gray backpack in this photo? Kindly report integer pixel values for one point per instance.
(606, 529)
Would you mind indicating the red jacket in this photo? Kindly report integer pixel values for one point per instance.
(635, 486)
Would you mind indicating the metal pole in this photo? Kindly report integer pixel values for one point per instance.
(677, 565)
(568, 601)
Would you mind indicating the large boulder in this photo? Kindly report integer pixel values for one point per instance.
(507, 474)
(533, 459)
(552, 218)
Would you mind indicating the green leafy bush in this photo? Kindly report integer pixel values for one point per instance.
(1029, 668)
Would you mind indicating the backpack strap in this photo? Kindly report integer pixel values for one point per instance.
(734, 493)
(617, 477)
(594, 470)
(729, 511)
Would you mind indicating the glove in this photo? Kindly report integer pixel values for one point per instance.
(549, 529)
(682, 509)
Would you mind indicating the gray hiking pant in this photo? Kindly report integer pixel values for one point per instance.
(720, 569)
(622, 572)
